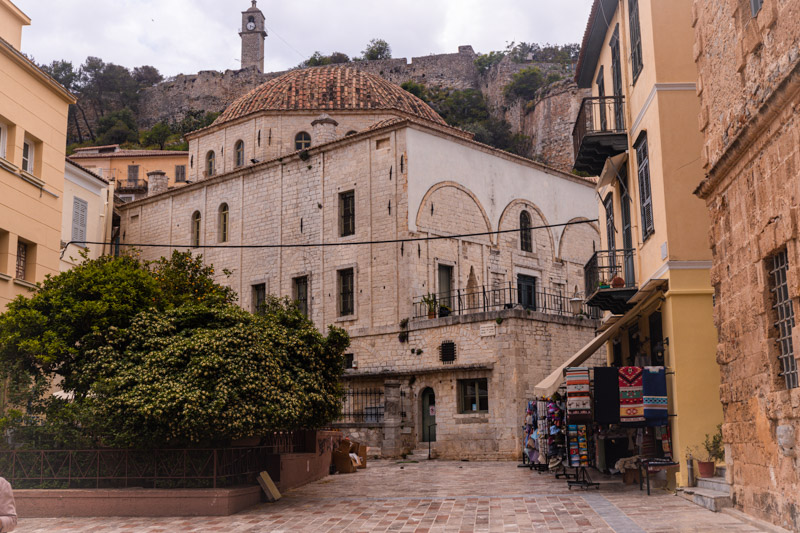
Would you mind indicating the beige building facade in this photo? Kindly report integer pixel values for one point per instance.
(129, 170)
(749, 89)
(384, 184)
(87, 217)
(33, 126)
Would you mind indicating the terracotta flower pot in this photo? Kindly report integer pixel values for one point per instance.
(617, 283)
(705, 468)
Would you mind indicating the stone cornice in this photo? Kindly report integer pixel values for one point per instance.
(773, 106)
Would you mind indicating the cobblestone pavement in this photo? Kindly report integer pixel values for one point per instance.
(432, 497)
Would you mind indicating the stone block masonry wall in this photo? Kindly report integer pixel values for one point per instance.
(749, 85)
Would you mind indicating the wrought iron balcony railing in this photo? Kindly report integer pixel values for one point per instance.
(599, 132)
(610, 269)
(484, 299)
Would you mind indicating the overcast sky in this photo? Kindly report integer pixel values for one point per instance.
(185, 36)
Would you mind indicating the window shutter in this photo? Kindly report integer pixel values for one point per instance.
(645, 194)
(79, 219)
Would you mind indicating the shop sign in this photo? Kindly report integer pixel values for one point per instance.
(432, 410)
(488, 330)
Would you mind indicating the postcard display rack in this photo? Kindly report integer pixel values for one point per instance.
(579, 427)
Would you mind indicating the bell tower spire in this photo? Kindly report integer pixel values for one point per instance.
(253, 34)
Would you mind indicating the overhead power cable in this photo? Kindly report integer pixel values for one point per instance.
(327, 244)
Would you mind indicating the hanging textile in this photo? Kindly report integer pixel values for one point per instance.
(579, 401)
(654, 395)
(631, 407)
(606, 395)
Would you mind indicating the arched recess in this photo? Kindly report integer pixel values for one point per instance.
(510, 220)
(575, 244)
(432, 211)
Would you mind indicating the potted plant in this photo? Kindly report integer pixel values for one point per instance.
(714, 452)
(430, 302)
(444, 310)
(604, 285)
(617, 282)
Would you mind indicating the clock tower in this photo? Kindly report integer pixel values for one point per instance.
(253, 34)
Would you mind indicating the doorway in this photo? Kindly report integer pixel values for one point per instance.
(428, 415)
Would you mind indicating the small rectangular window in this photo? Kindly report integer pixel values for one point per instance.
(259, 297)
(473, 395)
(346, 292)
(80, 209)
(645, 195)
(180, 173)
(347, 213)
(636, 39)
(133, 172)
(348, 360)
(783, 314)
(755, 6)
(27, 156)
(301, 293)
(3, 139)
(22, 260)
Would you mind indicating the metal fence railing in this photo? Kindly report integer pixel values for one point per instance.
(163, 468)
(598, 115)
(484, 299)
(362, 406)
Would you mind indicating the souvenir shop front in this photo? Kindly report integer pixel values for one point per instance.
(614, 419)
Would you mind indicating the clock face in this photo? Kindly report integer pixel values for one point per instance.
(251, 26)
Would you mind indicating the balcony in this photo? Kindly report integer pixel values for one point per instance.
(599, 133)
(485, 299)
(610, 280)
(131, 187)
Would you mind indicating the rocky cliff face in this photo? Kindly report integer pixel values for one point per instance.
(547, 121)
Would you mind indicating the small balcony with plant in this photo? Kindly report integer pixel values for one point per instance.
(610, 280)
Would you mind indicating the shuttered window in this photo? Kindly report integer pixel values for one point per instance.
(22, 259)
(636, 39)
(80, 210)
(610, 228)
(645, 196)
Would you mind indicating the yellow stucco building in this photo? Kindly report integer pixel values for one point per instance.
(638, 132)
(129, 169)
(33, 130)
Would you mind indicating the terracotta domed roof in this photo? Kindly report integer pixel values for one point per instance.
(329, 88)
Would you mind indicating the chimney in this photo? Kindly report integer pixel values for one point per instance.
(324, 129)
(157, 182)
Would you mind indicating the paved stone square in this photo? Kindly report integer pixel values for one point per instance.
(432, 497)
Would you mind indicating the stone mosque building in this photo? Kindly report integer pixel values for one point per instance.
(452, 323)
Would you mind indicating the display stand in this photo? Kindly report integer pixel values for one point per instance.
(582, 479)
(561, 473)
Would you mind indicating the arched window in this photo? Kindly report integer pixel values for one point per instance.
(525, 235)
(196, 219)
(211, 163)
(239, 153)
(223, 223)
(302, 141)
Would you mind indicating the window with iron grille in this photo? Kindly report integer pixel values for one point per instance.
(473, 395)
(610, 229)
(784, 318)
(525, 233)
(645, 196)
(133, 172)
(180, 173)
(636, 39)
(447, 352)
(301, 293)
(346, 292)
(259, 297)
(755, 6)
(347, 213)
(22, 259)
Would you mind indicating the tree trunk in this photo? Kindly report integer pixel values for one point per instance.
(86, 121)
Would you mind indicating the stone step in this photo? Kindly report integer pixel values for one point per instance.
(714, 483)
(713, 500)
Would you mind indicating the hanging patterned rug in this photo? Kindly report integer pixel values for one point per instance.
(631, 406)
(579, 401)
(654, 385)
